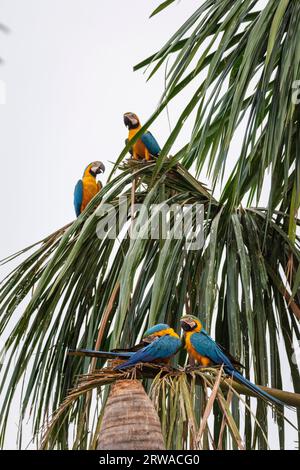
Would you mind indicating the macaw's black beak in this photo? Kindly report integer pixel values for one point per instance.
(127, 121)
(97, 168)
(185, 325)
(101, 168)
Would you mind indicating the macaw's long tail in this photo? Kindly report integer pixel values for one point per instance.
(254, 388)
(99, 354)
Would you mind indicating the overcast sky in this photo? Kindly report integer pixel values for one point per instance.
(69, 79)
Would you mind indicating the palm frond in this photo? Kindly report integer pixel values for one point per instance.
(178, 397)
(81, 291)
(251, 61)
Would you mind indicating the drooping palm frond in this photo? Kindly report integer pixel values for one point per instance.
(173, 395)
(80, 291)
(74, 281)
(245, 61)
(180, 398)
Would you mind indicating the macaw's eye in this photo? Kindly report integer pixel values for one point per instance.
(193, 325)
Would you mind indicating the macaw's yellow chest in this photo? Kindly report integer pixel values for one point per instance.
(139, 149)
(204, 361)
(90, 189)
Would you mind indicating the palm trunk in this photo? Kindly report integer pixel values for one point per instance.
(130, 421)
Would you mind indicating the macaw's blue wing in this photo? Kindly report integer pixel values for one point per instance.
(150, 143)
(162, 348)
(207, 347)
(78, 195)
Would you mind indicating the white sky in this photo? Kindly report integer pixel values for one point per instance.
(69, 79)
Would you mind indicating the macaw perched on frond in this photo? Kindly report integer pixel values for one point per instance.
(203, 349)
(87, 187)
(146, 147)
(160, 343)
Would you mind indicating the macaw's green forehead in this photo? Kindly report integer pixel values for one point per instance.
(156, 329)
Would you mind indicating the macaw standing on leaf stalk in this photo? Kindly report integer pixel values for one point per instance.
(144, 148)
(202, 348)
(163, 343)
(87, 187)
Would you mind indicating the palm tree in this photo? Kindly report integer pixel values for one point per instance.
(79, 290)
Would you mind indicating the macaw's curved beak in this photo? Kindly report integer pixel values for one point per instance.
(101, 168)
(97, 168)
(127, 120)
(187, 324)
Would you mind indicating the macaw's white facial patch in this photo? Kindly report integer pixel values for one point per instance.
(134, 121)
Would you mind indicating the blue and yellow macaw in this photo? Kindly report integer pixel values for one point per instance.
(87, 187)
(203, 349)
(146, 147)
(160, 343)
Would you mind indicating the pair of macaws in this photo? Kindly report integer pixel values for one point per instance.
(161, 343)
(145, 148)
